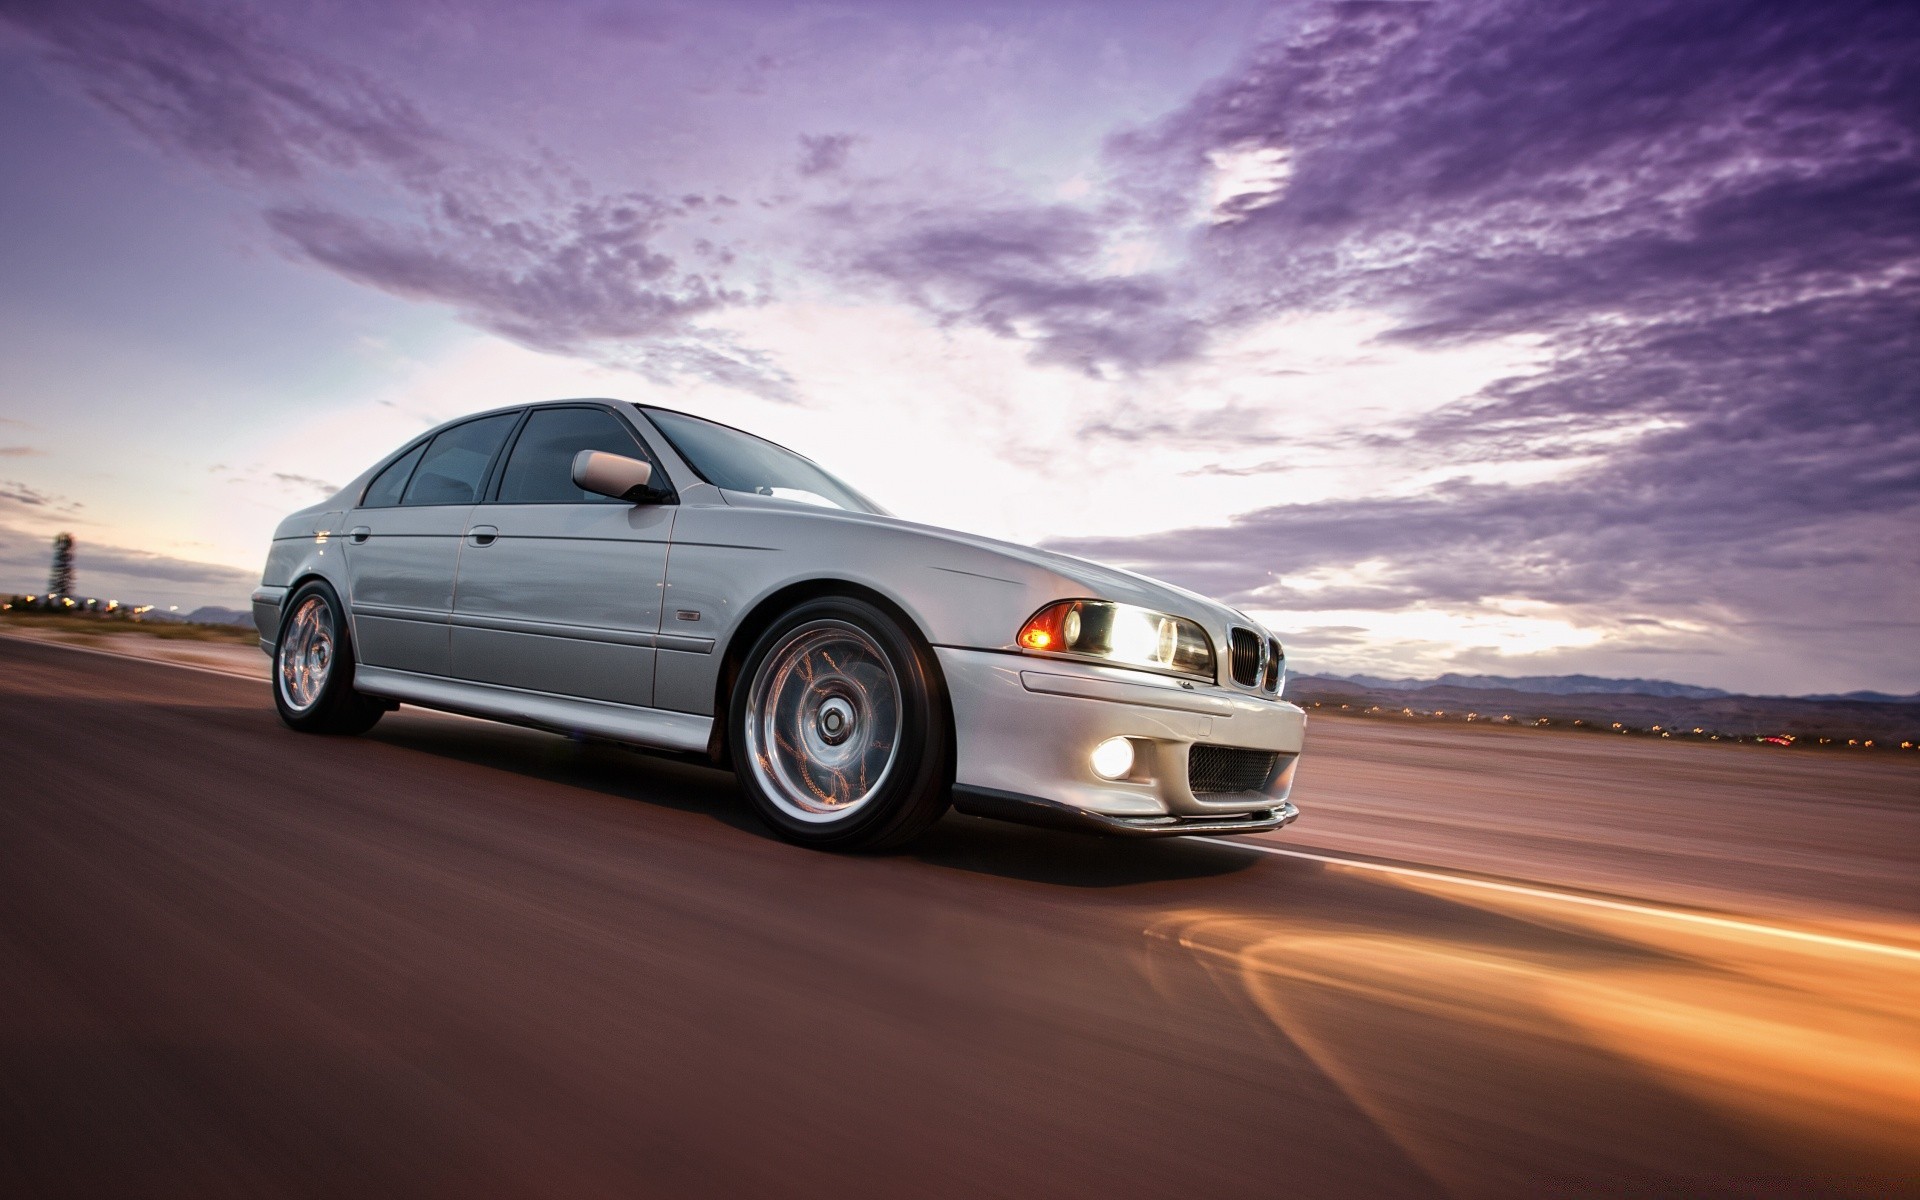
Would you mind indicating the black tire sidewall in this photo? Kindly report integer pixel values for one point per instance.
(923, 729)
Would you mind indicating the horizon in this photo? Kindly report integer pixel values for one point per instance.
(1458, 338)
(137, 612)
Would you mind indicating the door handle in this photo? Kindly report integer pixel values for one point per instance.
(359, 534)
(483, 535)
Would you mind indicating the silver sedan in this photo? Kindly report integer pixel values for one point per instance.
(636, 574)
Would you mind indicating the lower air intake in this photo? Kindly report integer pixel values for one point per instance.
(1215, 769)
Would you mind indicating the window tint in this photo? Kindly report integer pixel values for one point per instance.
(540, 469)
(384, 491)
(740, 462)
(456, 462)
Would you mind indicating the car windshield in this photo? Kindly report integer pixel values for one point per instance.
(740, 462)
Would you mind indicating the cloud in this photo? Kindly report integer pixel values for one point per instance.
(14, 493)
(20, 452)
(585, 279)
(136, 576)
(1706, 214)
(305, 483)
(522, 246)
(209, 85)
(1028, 273)
(825, 153)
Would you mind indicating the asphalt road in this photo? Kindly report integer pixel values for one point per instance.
(451, 958)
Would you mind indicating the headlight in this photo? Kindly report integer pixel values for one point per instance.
(1120, 633)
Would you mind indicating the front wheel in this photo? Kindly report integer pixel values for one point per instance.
(841, 729)
(313, 667)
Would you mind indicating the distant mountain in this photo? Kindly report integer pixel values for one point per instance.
(1887, 723)
(206, 615)
(1869, 698)
(213, 614)
(1550, 685)
(1592, 685)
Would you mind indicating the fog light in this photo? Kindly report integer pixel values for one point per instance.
(1112, 758)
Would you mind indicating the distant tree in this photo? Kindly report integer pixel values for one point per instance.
(60, 579)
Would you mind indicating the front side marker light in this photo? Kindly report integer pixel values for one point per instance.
(1112, 759)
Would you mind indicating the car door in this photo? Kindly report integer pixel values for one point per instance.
(559, 590)
(403, 542)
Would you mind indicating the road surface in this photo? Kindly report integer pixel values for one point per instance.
(456, 959)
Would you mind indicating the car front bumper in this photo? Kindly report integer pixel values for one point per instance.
(1025, 727)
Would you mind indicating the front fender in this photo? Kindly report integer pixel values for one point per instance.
(728, 560)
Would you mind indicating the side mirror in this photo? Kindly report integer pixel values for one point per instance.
(613, 475)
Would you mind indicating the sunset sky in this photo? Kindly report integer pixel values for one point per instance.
(1513, 337)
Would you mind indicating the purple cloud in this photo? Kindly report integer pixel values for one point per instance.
(1708, 214)
(824, 154)
(555, 281)
(1027, 273)
(209, 85)
(529, 250)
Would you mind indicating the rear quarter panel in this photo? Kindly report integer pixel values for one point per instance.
(306, 544)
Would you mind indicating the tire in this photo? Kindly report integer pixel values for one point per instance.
(313, 667)
(840, 729)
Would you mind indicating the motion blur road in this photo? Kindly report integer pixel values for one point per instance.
(452, 958)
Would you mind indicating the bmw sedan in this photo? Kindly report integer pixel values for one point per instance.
(635, 574)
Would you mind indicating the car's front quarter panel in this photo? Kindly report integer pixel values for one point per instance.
(728, 559)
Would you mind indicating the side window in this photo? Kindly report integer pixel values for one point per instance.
(384, 491)
(540, 469)
(456, 461)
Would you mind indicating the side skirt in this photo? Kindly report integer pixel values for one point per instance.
(653, 727)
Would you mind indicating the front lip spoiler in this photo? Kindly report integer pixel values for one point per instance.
(1051, 814)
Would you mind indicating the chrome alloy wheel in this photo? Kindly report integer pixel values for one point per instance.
(824, 722)
(306, 654)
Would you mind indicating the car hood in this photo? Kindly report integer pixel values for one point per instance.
(1069, 577)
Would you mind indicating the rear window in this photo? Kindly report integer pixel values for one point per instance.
(384, 491)
(456, 462)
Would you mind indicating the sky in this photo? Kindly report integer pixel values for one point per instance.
(1489, 336)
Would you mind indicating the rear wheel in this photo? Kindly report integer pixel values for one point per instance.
(313, 667)
(840, 727)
